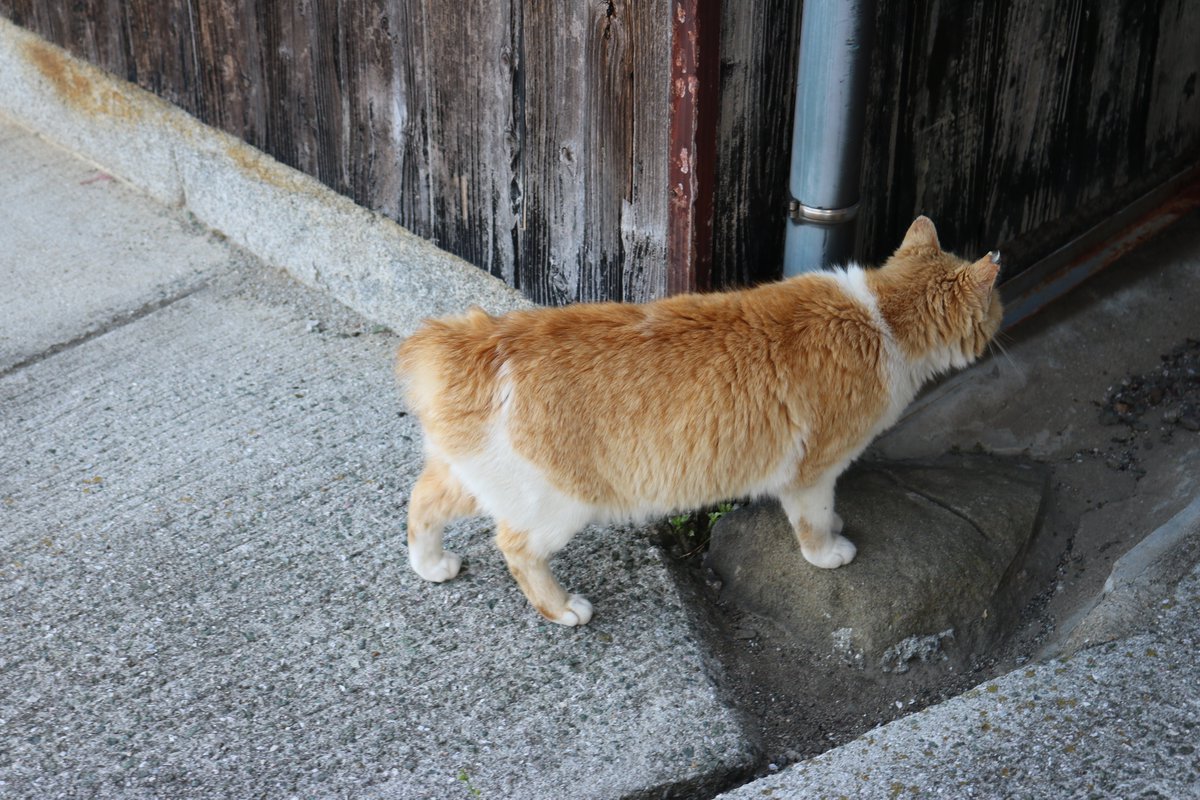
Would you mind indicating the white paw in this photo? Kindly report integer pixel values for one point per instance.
(838, 525)
(577, 612)
(839, 551)
(438, 571)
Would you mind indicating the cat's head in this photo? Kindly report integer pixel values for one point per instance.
(942, 308)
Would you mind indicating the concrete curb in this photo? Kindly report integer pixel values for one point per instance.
(279, 214)
(1136, 587)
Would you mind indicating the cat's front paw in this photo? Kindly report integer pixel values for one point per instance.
(837, 525)
(837, 552)
(576, 611)
(438, 571)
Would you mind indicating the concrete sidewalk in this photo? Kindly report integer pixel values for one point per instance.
(203, 581)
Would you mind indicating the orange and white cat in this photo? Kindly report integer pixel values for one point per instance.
(551, 419)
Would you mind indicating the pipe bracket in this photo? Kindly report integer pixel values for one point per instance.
(798, 212)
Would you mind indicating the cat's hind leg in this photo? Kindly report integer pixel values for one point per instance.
(437, 498)
(817, 526)
(528, 562)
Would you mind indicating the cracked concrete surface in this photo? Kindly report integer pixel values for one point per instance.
(100, 234)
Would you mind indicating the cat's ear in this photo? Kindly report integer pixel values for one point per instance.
(981, 276)
(921, 234)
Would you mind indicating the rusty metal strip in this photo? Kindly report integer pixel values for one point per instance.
(695, 96)
(1078, 260)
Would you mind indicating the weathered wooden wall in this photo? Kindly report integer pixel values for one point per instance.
(1023, 123)
(527, 136)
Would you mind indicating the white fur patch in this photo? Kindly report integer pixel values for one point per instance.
(512, 489)
(901, 377)
(783, 474)
(853, 281)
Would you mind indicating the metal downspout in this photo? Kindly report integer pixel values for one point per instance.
(827, 136)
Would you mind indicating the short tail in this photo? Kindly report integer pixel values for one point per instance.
(435, 335)
(443, 358)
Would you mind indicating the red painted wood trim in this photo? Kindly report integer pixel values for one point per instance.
(695, 72)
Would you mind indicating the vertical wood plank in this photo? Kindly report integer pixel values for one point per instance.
(294, 119)
(367, 72)
(232, 94)
(304, 115)
(644, 218)
(555, 154)
(471, 56)
(759, 42)
(408, 110)
(278, 71)
(593, 218)
(695, 41)
(609, 112)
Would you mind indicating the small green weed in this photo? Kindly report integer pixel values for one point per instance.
(721, 510)
(472, 789)
(689, 533)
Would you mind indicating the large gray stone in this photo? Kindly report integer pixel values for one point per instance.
(939, 547)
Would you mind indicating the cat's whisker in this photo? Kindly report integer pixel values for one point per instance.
(1004, 336)
(1004, 351)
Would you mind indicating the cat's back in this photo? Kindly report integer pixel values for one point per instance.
(463, 360)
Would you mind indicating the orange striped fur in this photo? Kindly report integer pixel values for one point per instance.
(547, 420)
